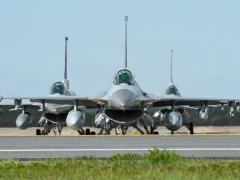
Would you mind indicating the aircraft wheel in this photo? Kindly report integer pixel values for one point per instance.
(93, 133)
(88, 132)
(155, 132)
(172, 132)
(191, 128)
(80, 132)
(38, 132)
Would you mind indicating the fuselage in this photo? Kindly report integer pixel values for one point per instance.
(56, 108)
(124, 97)
(58, 89)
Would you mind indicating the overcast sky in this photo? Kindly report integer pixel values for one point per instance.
(205, 36)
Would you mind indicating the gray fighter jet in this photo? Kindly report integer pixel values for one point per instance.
(125, 104)
(174, 119)
(54, 115)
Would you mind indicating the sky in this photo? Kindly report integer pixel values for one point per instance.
(205, 36)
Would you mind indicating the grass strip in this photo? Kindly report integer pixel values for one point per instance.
(153, 165)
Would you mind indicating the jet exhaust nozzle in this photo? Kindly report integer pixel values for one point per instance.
(23, 120)
(75, 119)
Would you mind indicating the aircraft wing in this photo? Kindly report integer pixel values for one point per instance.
(154, 102)
(70, 100)
(65, 100)
(14, 107)
(191, 102)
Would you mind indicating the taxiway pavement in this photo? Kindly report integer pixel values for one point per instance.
(201, 146)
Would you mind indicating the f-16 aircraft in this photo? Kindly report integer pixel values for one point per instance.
(125, 104)
(54, 115)
(173, 120)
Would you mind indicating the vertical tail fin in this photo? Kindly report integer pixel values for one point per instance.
(171, 68)
(66, 82)
(125, 20)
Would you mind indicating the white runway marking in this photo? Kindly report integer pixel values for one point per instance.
(114, 150)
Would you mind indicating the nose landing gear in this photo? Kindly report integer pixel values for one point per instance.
(48, 126)
(190, 127)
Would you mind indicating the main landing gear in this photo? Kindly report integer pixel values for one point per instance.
(86, 132)
(48, 126)
(190, 128)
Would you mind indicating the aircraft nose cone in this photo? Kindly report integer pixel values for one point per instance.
(122, 98)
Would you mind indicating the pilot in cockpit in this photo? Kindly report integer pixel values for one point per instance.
(57, 88)
(124, 76)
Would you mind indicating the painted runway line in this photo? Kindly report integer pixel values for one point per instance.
(124, 149)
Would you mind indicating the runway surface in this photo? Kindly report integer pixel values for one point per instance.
(27, 148)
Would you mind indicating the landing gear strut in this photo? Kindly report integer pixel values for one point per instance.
(81, 131)
(124, 129)
(139, 130)
(48, 126)
(144, 126)
(86, 132)
(153, 125)
(191, 128)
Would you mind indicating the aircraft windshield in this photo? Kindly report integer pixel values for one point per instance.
(172, 89)
(57, 88)
(124, 76)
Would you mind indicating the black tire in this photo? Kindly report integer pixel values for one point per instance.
(155, 132)
(80, 132)
(191, 128)
(88, 131)
(123, 133)
(172, 132)
(151, 130)
(38, 132)
(93, 133)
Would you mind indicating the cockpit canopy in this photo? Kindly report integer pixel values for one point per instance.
(124, 76)
(57, 88)
(172, 90)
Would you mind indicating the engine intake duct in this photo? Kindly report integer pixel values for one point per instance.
(125, 116)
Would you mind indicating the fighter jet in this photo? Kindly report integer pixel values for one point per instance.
(173, 120)
(54, 115)
(125, 104)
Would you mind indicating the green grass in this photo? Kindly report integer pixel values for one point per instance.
(153, 165)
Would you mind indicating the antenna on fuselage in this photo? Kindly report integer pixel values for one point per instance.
(171, 68)
(65, 81)
(125, 50)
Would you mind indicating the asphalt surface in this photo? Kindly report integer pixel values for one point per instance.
(29, 148)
